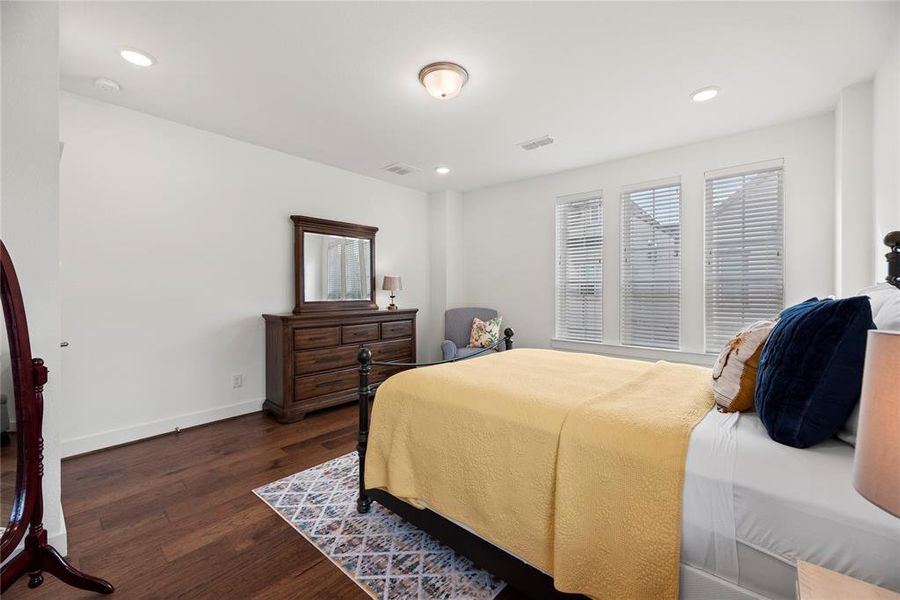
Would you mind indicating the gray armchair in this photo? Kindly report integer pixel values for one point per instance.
(458, 326)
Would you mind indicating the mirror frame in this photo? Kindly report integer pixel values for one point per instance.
(28, 377)
(323, 226)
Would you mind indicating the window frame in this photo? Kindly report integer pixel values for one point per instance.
(744, 170)
(593, 195)
(624, 197)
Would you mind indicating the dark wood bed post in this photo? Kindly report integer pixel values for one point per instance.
(507, 338)
(363, 503)
(892, 241)
(364, 358)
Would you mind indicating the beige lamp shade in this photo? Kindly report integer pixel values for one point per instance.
(392, 283)
(876, 468)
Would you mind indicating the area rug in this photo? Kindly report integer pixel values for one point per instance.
(386, 556)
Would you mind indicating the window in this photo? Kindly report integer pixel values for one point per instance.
(744, 249)
(347, 262)
(579, 267)
(651, 265)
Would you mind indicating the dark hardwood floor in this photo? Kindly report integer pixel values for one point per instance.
(174, 516)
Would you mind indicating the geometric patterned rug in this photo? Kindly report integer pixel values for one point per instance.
(386, 556)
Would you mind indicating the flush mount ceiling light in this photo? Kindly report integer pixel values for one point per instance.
(107, 85)
(705, 94)
(443, 80)
(137, 57)
(442, 170)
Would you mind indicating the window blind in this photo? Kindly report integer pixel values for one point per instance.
(651, 266)
(579, 268)
(334, 274)
(352, 279)
(744, 250)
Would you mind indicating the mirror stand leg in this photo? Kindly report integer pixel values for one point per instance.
(35, 578)
(52, 562)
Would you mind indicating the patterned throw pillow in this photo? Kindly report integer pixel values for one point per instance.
(734, 374)
(484, 333)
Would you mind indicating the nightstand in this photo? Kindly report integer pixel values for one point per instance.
(818, 583)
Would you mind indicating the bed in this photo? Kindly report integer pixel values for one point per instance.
(755, 507)
(751, 508)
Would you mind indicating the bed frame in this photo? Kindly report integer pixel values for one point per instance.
(517, 573)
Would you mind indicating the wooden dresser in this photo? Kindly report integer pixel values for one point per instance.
(311, 358)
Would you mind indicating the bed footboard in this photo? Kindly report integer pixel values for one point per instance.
(366, 392)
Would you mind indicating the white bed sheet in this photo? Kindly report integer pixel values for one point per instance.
(785, 504)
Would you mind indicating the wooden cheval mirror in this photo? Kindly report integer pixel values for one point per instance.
(28, 376)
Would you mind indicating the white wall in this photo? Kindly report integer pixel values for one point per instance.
(29, 210)
(447, 277)
(886, 151)
(514, 269)
(174, 242)
(853, 178)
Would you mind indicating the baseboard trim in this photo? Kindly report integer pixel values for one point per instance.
(117, 437)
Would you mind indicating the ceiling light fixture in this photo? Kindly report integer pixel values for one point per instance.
(442, 170)
(137, 57)
(443, 80)
(705, 94)
(107, 85)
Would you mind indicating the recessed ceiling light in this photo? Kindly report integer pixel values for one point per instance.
(705, 94)
(137, 57)
(442, 170)
(443, 80)
(107, 85)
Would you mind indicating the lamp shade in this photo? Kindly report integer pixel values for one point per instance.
(392, 283)
(876, 468)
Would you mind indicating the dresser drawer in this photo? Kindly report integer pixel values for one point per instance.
(380, 373)
(346, 380)
(329, 359)
(310, 386)
(393, 350)
(318, 337)
(359, 333)
(396, 329)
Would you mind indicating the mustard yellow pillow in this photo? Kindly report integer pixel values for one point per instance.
(734, 374)
(484, 333)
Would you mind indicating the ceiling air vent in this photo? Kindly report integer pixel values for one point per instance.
(544, 140)
(399, 168)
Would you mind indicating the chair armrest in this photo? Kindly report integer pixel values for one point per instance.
(448, 349)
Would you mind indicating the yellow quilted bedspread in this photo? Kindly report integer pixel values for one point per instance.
(572, 462)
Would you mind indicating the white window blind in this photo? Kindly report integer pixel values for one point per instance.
(651, 265)
(347, 267)
(579, 268)
(335, 273)
(744, 249)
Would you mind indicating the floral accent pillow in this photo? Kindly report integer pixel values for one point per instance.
(734, 374)
(484, 333)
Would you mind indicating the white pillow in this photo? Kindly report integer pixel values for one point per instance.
(885, 301)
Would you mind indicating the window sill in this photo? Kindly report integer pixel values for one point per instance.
(634, 352)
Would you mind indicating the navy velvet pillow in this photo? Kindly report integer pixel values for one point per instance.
(810, 371)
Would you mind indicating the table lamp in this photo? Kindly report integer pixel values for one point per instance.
(876, 465)
(392, 283)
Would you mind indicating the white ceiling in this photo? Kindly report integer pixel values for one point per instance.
(336, 82)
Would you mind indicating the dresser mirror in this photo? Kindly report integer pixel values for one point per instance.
(9, 464)
(334, 265)
(336, 268)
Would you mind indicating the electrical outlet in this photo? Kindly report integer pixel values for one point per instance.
(237, 380)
